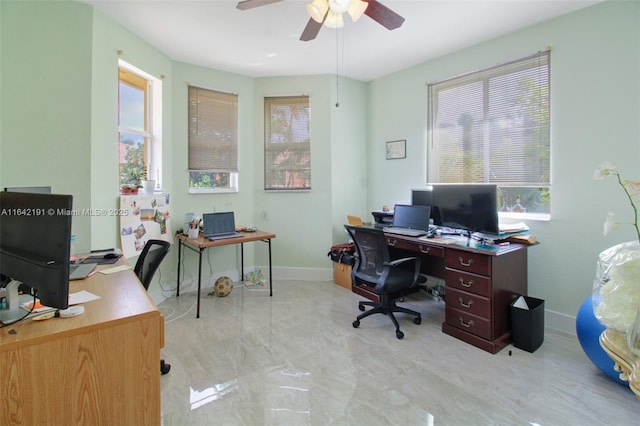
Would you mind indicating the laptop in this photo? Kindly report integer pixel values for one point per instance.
(80, 271)
(220, 225)
(410, 220)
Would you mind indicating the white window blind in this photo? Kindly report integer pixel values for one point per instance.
(213, 130)
(493, 126)
(287, 143)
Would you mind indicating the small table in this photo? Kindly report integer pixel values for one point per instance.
(201, 243)
(614, 344)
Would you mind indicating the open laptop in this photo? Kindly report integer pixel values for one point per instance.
(220, 225)
(80, 271)
(410, 220)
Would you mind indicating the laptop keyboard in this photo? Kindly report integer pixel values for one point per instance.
(404, 231)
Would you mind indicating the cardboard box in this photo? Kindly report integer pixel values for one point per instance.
(342, 274)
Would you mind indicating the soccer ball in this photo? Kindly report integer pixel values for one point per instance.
(223, 286)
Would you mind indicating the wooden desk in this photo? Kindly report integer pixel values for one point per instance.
(102, 367)
(481, 283)
(615, 345)
(200, 244)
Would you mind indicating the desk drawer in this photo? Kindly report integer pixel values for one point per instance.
(415, 245)
(469, 302)
(466, 261)
(470, 323)
(465, 281)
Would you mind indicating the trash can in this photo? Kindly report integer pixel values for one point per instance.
(527, 323)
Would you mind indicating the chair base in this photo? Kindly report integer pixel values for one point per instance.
(386, 306)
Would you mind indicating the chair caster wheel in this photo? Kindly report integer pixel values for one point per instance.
(356, 324)
(399, 335)
(361, 307)
(164, 367)
(417, 320)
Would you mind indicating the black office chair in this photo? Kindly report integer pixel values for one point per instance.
(146, 266)
(390, 280)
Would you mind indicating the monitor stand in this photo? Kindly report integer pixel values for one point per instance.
(13, 312)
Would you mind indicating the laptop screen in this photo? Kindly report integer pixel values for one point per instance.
(218, 223)
(414, 217)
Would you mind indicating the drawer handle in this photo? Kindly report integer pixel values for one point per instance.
(466, 305)
(463, 263)
(424, 249)
(467, 284)
(467, 325)
(392, 243)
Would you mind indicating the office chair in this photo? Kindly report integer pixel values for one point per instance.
(390, 280)
(146, 266)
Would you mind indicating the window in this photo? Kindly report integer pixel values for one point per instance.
(213, 141)
(139, 146)
(287, 143)
(493, 126)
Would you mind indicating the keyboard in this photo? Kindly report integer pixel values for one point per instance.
(408, 232)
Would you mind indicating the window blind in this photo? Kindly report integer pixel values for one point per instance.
(493, 125)
(287, 143)
(213, 130)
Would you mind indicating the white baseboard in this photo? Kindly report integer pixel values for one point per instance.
(561, 322)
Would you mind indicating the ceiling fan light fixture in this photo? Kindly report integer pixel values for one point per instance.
(318, 9)
(334, 20)
(356, 9)
(339, 6)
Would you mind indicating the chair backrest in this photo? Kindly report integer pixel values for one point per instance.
(372, 253)
(149, 261)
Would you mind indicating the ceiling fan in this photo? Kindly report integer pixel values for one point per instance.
(329, 13)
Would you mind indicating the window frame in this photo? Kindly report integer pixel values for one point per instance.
(231, 170)
(539, 62)
(296, 146)
(152, 132)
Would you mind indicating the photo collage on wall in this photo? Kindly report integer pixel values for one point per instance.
(146, 218)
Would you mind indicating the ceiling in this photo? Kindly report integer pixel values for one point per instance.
(264, 41)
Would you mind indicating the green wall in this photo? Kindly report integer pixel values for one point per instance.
(595, 106)
(58, 126)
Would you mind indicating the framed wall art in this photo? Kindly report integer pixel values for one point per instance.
(396, 149)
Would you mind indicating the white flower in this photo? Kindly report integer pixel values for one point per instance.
(610, 223)
(604, 169)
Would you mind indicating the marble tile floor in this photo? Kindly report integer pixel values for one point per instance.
(295, 359)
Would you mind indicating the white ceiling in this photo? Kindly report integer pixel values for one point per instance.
(265, 41)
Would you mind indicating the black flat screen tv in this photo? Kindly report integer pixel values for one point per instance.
(469, 207)
(35, 238)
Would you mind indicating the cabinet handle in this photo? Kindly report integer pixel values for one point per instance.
(424, 249)
(467, 284)
(466, 305)
(467, 325)
(463, 263)
(392, 243)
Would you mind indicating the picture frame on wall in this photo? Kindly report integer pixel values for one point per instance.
(396, 149)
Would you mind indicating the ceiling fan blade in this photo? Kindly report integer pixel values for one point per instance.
(383, 15)
(311, 30)
(250, 4)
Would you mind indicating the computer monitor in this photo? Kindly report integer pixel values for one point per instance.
(412, 217)
(424, 197)
(35, 237)
(470, 207)
(30, 189)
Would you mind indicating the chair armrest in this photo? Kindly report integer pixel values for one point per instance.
(416, 270)
(397, 262)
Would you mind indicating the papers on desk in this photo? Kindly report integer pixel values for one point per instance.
(512, 228)
(76, 298)
(115, 269)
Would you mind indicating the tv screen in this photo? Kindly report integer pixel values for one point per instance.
(471, 207)
(35, 238)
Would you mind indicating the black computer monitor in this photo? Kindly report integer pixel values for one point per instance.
(424, 197)
(470, 207)
(31, 189)
(412, 217)
(35, 237)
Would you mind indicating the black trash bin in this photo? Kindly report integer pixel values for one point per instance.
(527, 325)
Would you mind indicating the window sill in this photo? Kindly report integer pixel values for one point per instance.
(539, 217)
(212, 190)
